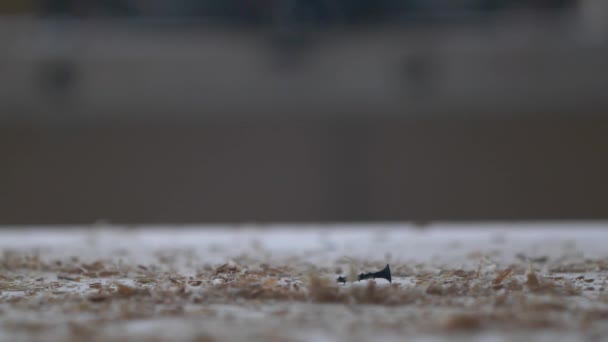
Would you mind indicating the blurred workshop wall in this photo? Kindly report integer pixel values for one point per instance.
(12, 7)
(459, 115)
(279, 171)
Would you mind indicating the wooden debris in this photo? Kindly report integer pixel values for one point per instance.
(106, 273)
(503, 275)
(68, 277)
(462, 322)
(532, 281)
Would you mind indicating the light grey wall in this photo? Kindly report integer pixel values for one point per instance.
(99, 70)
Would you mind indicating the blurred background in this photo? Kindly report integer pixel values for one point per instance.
(193, 111)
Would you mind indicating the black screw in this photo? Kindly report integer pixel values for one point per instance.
(384, 274)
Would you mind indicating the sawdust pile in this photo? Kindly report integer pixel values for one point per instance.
(517, 296)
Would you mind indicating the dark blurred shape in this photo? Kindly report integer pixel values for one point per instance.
(87, 8)
(311, 12)
(58, 76)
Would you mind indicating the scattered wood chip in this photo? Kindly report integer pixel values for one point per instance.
(96, 266)
(69, 277)
(145, 280)
(503, 275)
(73, 270)
(98, 297)
(462, 322)
(230, 267)
(124, 290)
(435, 289)
(175, 281)
(108, 273)
(532, 281)
(270, 282)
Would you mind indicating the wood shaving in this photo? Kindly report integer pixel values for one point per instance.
(97, 299)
